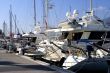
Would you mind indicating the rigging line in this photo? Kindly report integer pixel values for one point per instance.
(14, 18)
(55, 15)
(108, 12)
(54, 51)
(70, 6)
(105, 38)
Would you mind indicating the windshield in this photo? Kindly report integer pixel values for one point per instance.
(53, 35)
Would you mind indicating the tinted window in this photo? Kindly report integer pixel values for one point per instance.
(97, 35)
(77, 36)
(108, 34)
(65, 34)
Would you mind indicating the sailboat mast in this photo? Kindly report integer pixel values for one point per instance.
(45, 13)
(46, 9)
(34, 13)
(91, 7)
(4, 28)
(15, 24)
(43, 2)
(10, 17)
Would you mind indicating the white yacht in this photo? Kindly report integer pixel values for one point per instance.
(75, 34)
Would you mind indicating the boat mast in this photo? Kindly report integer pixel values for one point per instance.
(46, 10)
(10, 17)
(34, 13)
(43, 4)
(4, 28)
(15, 24)
(45, 13)
(91, 7)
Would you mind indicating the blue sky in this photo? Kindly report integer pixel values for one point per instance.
(24, 11)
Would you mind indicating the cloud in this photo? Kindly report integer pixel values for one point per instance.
(102, 12)
(100, 8)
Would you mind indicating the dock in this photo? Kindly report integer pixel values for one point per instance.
(13, 63)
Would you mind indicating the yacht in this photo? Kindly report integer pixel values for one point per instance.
(74, 35)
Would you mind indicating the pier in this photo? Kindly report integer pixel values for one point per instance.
(12, 63)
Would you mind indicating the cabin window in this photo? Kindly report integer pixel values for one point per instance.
(65, 34)
(77, 36)
(108, 35)
(33, 39)
(53, 35)
(96, 35)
